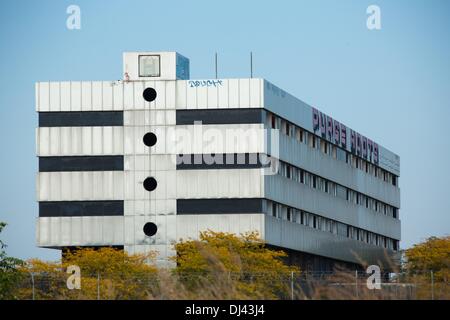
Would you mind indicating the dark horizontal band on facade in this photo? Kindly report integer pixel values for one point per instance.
(81, 119)
(220, 116)
(222, 161)
(81, 163)
(219, 206)
(81, 208)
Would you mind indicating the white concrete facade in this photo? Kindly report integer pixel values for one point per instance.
(123, 185)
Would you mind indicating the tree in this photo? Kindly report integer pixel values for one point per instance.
(252, 270)
(121, 275)
(9, 274)
(106, 273)
(430, 255)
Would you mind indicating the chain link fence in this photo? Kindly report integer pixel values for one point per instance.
(224, 285)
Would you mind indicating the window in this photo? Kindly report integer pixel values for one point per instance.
(273, 121)
(288, 214)
(341, 155)
(288, 129)
(302, 176)
(149, 66)
(300, 134)
(395, 245)
(274, 210)
(312, 140)
(324, 146)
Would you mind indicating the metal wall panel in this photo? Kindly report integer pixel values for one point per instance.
(55, 98)
(107, 95)
(324, 165)
(97, 96)
(86, 96)
(65, 96)
(224, 96)
(80, 185)
(43, 101)
(144, 162)
(237, 138)
(190, 226)
(244, 93)
(229, 183)
(150, 207)
(224, 93)
(79, 231)
(301, 196)
(77, 141)
(302, 238)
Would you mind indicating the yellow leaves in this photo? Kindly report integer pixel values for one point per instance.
(252, 266)
(217, 266)
(106, 273)
(432, 254)
(108, 261)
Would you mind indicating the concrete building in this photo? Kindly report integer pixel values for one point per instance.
(127, 164)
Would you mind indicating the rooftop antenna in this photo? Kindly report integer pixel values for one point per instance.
(215, 63)
(251, 64)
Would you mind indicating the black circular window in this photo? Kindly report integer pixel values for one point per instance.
(149, 139)
(149, 94)
(150, 229)
(150, 184)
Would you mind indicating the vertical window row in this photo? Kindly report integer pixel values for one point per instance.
(313, 141)
(320, 223)
(294, 173)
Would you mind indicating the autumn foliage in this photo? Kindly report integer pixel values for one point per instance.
(433, 254)
(244, 263)
(221, 265)
(217, 266)
(106, 273)
(428, 266)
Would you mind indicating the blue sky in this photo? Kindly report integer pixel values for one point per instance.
(392, 85)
